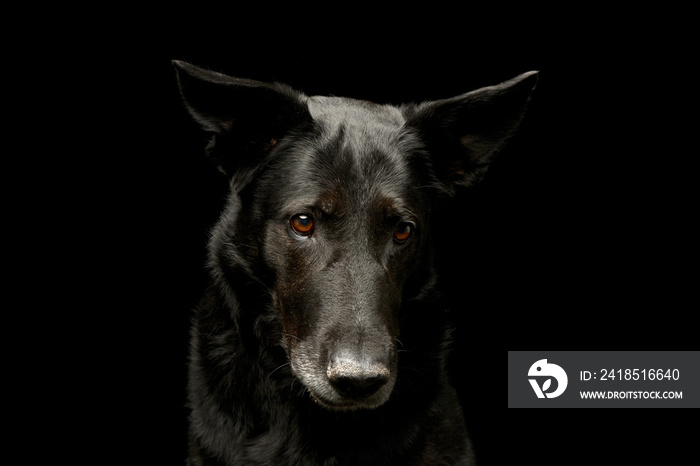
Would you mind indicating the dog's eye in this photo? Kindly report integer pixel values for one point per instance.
(403, 233)
(302, 224)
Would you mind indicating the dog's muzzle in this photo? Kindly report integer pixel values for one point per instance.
(346, 380)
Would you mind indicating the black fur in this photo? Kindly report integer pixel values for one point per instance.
(328, 347)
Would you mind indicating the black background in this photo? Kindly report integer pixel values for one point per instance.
(581, 236)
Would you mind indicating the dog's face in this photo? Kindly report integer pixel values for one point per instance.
(345, 219)
(331, 210)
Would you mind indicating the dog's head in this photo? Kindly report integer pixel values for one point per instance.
(330, 209)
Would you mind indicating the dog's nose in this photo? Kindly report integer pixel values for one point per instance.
(354, 378)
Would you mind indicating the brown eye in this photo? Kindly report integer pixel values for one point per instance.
(302, 224)
(403, 232)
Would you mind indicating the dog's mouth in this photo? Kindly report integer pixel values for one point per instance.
(339, 405)
(347, 404)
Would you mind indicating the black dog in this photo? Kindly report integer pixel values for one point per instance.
(322, 339)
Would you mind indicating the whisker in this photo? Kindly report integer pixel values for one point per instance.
(236, 245)
(278, 368)
(290, 335)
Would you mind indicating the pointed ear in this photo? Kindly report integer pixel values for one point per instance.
(249, 115)
(464, 133)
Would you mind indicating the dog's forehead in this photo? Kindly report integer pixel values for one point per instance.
(368, 135)
(336, 111)
(357, 150)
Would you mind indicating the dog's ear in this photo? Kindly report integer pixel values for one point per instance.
(464, 133)
(253, 113)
